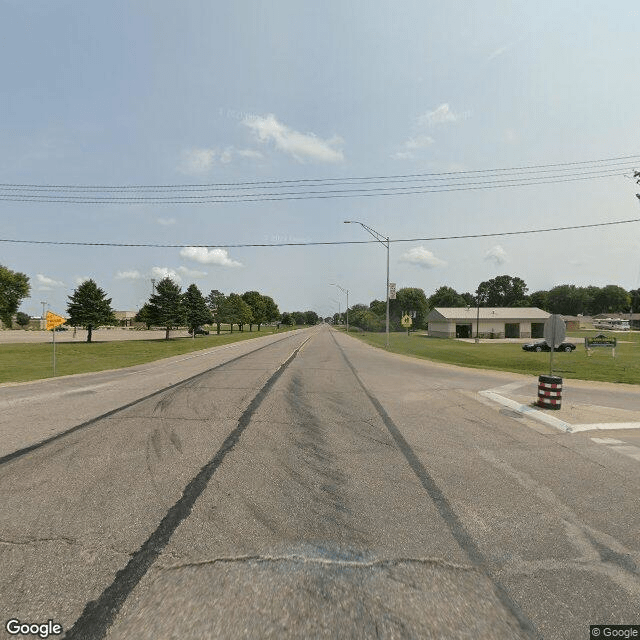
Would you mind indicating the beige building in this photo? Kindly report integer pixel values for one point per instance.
(493, 322)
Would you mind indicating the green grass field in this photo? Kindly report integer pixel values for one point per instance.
(625, 367)
(22, 362)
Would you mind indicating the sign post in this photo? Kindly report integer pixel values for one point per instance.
(53, 321)
(554, 333)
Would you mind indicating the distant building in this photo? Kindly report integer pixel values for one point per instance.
(494, 322)
(125, 318)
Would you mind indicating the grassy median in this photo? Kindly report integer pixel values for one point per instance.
(601, 366)
(23, 362)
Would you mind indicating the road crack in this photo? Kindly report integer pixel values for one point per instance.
(328, 562)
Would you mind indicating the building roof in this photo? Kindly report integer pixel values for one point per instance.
(487, 313)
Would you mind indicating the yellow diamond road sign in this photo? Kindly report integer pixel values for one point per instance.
(54, 320)
(406, 321)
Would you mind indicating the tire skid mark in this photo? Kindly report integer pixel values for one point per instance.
(99, 614)
(451, 519)
(186, 382)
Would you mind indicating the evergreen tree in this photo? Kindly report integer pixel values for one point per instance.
(195, 308)
(165, 306)
(144, 315)
(89, 308)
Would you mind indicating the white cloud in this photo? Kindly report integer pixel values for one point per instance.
(418, 142)
(166, 222)
(129, 275)
(249, 153)
(441, 115)
(191, 273)
(498, 52)
(301, 146)
(197, 160)
(47, 284)
(497, 254)
(209, 256)
(422, 257)
(165, 272)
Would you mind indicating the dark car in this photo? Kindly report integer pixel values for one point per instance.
(201, 332)
(543, 346)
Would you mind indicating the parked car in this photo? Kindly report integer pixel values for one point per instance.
(201, 332)
(543, 346)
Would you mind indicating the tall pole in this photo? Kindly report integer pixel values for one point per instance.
(347, 292)
(384, 241)
(387, 339)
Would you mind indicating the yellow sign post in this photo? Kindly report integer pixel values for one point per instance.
(53, 321)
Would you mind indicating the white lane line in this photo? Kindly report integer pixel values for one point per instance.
(629, 450)
(530, 412)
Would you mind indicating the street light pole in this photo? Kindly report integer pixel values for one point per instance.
(347, 292)
(384, 241)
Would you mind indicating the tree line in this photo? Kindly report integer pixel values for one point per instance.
(501, 291)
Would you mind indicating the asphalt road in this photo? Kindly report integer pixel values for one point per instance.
(317, 487)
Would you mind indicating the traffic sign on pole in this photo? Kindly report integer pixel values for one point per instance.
(54, 320)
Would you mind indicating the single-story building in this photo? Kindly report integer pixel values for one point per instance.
(493, 322)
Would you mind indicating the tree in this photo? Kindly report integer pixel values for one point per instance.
(271, 311)
(288, 319)
(89, 307)
(256, 303)
(195, 309)
(410, 299)
(14, 287)
(503, 291)
(216, 303)
(237, 311)
(299, 317)
(311, 318)
(568, 300)
(363, 317)
(446, 297)
(23, 319)
(611, 298)
(635, 299)
(144, 315)
(165, 306)
(379, 307)
(539, 299)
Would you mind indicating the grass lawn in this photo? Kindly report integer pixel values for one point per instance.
(22, 362)
(625, 367)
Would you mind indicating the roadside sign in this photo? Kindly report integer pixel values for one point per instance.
(555, 330)
(554, 333)
(392, 291)
(600, 341)
(406, 321)
(54, 320)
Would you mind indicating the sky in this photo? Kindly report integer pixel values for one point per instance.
(200, 93)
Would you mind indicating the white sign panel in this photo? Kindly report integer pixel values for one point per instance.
(392, 291)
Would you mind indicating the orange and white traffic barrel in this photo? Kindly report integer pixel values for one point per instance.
(549, 392)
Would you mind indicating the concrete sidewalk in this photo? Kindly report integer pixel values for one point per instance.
(585, 406)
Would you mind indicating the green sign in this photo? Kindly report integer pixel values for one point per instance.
(600, 341)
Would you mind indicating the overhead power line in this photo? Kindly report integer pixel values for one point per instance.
(320, 188)
(308, 244)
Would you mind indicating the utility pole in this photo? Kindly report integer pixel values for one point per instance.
(384, 241)
(43, 316)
